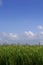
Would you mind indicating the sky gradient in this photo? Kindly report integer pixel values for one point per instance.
(21, 18)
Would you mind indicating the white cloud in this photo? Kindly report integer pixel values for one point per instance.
(30, 33)
(29, 37)
(9, 35)
(40, 27)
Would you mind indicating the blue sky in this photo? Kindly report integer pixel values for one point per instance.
(18, 16)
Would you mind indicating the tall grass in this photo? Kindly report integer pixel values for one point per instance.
(21, 55)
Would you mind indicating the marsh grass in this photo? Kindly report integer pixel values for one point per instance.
(21, 55)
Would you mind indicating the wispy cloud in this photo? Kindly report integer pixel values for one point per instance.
(41, 33)
(40, 27)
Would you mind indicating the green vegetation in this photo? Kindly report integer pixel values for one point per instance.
(21, 55)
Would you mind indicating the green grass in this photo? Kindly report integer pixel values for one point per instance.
(21, 55)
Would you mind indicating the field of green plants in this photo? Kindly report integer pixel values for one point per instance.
(21, 55)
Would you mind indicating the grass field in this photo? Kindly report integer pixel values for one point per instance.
(21, 55)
